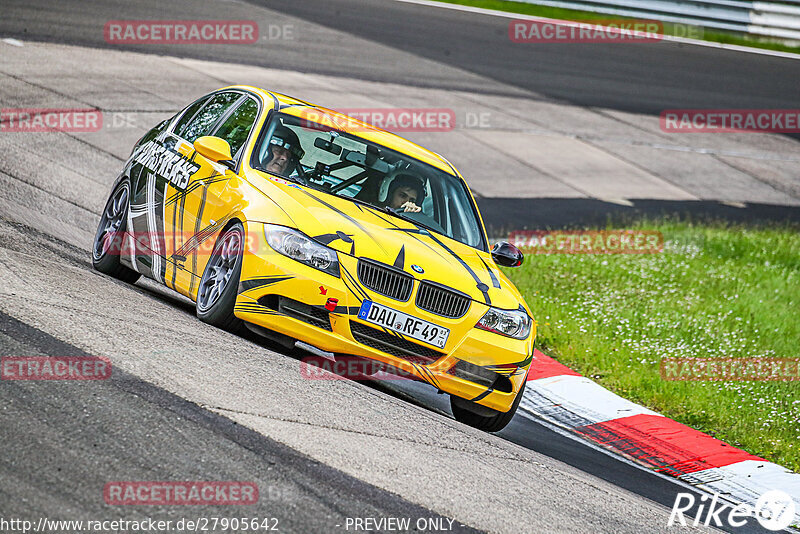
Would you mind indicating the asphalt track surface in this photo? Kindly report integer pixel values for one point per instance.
(134, 427)
(129, 433)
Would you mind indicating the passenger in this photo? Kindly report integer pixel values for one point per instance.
(405, 192)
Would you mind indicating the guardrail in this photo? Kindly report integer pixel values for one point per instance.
(766, 19)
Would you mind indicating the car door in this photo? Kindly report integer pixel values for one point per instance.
(162, 172)
(153, 163)
(199, 211)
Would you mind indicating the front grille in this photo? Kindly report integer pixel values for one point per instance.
(442, 300)
(481, 375)
(298, 310)
(391, 344)
(385, 280)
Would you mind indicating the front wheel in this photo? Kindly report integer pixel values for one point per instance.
(481, 417)
(216, 296)
(108, 240)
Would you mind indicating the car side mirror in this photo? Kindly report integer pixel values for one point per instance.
(507, 255)
(214, 148)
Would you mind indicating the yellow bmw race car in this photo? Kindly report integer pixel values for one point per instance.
(304, 224)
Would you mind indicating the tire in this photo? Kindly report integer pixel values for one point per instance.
(107, 245)
(216, 296)
(481, 417)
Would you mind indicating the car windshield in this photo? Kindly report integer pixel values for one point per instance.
(345, 165)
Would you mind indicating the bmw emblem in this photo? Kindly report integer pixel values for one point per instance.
(418, 269)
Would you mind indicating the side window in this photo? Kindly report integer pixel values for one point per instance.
(187, 116)
(237, 126)
(205, 119)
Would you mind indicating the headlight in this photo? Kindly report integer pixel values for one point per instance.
(299, 247)
(511, 323)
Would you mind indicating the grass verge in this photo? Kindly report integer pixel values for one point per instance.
(715, 291)
(575, 15)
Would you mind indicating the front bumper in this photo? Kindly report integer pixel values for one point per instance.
(267, 276)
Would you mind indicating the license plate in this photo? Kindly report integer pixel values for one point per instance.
(404, 324)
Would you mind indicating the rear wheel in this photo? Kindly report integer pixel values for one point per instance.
(108, 240)
(216, 296)
(481, 417)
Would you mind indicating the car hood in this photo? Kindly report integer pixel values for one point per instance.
(361, 231)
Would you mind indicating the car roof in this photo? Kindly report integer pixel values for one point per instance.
(301, 108)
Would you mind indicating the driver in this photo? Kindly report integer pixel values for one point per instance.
(285, 152)
(405, 192)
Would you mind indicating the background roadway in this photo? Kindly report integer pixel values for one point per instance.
(574, 125)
